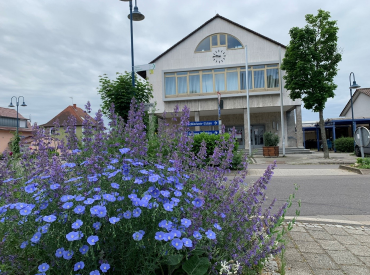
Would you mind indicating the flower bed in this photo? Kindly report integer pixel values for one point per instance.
(106, 206)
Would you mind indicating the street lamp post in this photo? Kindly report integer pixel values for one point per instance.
(133, 16)
(17, 103)
(353, 86)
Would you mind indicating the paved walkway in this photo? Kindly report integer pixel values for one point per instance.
(330, 249)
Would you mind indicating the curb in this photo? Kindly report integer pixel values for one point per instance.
(355, 170)
(328, 221)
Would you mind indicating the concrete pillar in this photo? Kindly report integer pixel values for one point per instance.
(196, 118)
(246, 132)
(291, 135)
(299, 126)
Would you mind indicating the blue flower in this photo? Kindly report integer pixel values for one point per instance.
(97, 197)
(30, 188)
(189, 195)
(217, 226)
(136, 212)
(168, 207)
(177, 193)
(36, 237)
(79, 209)
(154, 178)
(66, 198)
(109, 197)
(168, 236)
(198, 202)
(50, 218)
(97, 189)
(185, 222)
(187, 242)
(24, 244)
(171, 169)
(176, 233)
(104, 267)
(124, 150)
(177, 243)
(45, 228)
(113, 220)
(92, 240)
(222, 215)
(97, 225)
(197, 235)
(43, 267)
(74, 236)
(159, 166)
(67, 254)
(137, 236)
(165, 224)
(75, 151)
(195, 189)
(138, 181)
(165, 193)
(210, 234)
(59, 252)
(26, 211)
(79, 265)
(83, 249)
(67, 205)
(120, 198)
(114, 185)
(113, 161)
(95, 272)
(127, 214)
(179, 186)
(89, 201)
(77, 224)
(54, 186)
(143, 171)
(159, 236)
(44, 205)
(98, 210)
(80, 198)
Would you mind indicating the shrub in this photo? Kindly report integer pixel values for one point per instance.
(344, 144)
(363, 163)
(270, 139)
(122, 213)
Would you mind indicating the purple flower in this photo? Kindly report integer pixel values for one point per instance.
(137, 236)
(197, 235)
(210, 234)
(50, 218)
(198, 202)
(104, 267)
(124, 150)
(77, 224)
(59, 252)
(79, 209)
(159, 236)
(67, 254)
(127, 214)
(136, 212)
(79, 265)
(114, 185)
(67, 205)
(185, 222)
(92, 240)
(177, 243)
(83, 249)
(43, 267)
(187, 242)
(113, 220)
(36, 237)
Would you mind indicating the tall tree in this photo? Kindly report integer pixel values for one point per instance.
(120, 92)
(311, 62)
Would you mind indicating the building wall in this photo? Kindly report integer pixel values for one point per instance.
(6, 136)
(183, 57)
(360, 107)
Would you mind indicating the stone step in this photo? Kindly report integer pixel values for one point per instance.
(288, 150)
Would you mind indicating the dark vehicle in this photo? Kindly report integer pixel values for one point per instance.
(358, 150)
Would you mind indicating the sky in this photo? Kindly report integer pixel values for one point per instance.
(52, 50)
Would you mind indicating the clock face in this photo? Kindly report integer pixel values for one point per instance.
(219, 56)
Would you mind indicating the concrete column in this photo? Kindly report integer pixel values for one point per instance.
(196, 118)
(246, 132)
(299, 126)
(291, 135)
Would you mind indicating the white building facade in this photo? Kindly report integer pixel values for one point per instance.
(212, 60)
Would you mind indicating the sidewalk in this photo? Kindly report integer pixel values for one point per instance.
(330, 249)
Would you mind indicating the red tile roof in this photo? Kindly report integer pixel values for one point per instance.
(365, 91)
(6, 112)
(75, 111)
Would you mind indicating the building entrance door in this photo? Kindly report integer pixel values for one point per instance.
(257, 132)
(239, 134)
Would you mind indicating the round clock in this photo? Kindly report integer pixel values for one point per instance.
(219, 56)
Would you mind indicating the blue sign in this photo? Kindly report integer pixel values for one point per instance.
(194, 133)
(203, 123)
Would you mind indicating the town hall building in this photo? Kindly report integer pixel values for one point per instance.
(211, 60)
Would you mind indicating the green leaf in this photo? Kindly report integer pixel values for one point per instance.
(196, 265)
(198, 252)
(173, 259)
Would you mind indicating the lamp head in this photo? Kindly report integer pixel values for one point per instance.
(11, 104)
(354, 85)
(24, 104)
(136, 15)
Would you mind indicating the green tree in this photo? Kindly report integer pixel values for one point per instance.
(14, 143)
(310, 63)
(120, 92)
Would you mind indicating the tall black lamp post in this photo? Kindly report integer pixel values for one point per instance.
(133, 16)
(17, 103)
(353, 86)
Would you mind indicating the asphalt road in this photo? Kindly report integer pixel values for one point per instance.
(347, 194)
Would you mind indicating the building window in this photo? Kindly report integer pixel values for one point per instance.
(218, 40)
(226, 80)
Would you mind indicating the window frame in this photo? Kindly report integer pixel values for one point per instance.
(218, 42)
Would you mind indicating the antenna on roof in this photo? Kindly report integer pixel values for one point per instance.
(30, 119)
(72, 99)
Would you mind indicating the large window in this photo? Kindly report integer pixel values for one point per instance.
(226, 80)
(218, 40)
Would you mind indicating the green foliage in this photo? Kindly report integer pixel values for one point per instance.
(270, 139)
(311, 61)
(120, 92)
(196, 265)
(344, 144)
(14, 143)
(363, 163)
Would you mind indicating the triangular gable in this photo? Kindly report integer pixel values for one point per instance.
(75, 111)
(365, 91)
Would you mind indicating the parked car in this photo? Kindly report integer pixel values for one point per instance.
(358, 150)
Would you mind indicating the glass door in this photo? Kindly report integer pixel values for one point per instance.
(257, 136)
